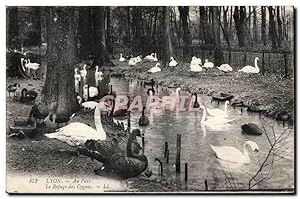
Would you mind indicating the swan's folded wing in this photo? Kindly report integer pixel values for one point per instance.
(228, 153)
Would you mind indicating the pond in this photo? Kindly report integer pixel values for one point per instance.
(196, 139)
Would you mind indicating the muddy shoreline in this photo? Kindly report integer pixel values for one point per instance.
(271, 95)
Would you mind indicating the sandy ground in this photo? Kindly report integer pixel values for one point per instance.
(39, 155)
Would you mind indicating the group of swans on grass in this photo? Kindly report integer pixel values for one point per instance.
(134, 60)
(196, 66)
(29, 65)
(81, 77)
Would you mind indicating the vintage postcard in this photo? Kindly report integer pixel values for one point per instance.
(150, 99)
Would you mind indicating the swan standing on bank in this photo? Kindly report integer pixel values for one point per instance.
(98, 76)
(77, 79)
(250, 69)
(77, 133)
(83, 73)
(218, 112)
(232, 154)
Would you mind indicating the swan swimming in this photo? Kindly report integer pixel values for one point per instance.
(232, 154)
(219, 112)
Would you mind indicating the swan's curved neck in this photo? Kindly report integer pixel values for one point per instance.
(113, 108)
(255, 63)
(204, 115)
(131, 138)
(226, 108)
(143, 112)
(246, 154)
(97, 117)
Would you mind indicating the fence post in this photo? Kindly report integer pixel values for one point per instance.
(263, 63)
(178, 147)
(285, 65)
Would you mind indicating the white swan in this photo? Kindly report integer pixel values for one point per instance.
(199, 61)
(22, 64)
(173, 62)
(122, 59)
(213, 122)
(195, 65)
(250, 69)
(89, 91)
(77, 133)
(150, 57)
(83, 72)
(232, 154)
(98, 76)
(155, 57)
(88, 104)
(218, 112)
(225, 68)
(33, 66)
(138, 59)
(77, 79)
(208, 64)
(155, 69)
(132, 61)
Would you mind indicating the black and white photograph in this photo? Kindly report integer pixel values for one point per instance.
(150, 99)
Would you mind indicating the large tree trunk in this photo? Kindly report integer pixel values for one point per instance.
(272, 28)
(85, 31)
(154, 26)
(168, 51)
(205, 25)
(59, 85)
(263, 25)
(279, 25)
(218, 54)
(137, 22)
(239, 16)
(186, 38)
(255, 34)
(12, 27)
(108, 30)
(100, 35)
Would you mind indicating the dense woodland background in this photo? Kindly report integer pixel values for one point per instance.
(224, 34)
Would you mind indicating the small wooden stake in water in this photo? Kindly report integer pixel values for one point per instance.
(143, 142)
(128, 120)
(186, 172)
(167, 156)
(166, 148)
(206, 186)
(178, 147)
